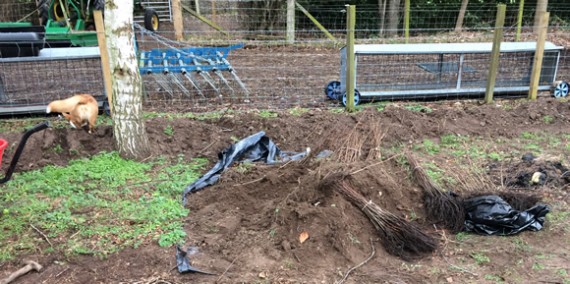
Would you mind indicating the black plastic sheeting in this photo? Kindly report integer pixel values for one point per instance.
(491, 215)
(257, 147)
(183, 263)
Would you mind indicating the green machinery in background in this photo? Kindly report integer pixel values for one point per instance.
(70, 22)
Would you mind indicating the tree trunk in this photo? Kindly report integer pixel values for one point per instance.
(393, 17)
(461, 16)
(541, 6)
(128, 124)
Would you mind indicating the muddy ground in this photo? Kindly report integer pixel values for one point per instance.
(246, 227)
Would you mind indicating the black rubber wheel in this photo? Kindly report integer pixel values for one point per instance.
(43, 10)
(151, 21)
(332, 90)
(356, 98)
(560, 89)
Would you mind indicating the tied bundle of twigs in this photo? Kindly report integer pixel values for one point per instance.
(398, 236)
(441, 206)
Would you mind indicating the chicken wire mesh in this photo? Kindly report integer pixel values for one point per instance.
(276, 74)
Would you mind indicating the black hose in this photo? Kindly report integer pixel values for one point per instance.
(20, 148)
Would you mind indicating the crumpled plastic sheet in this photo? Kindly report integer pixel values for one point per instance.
(257, 147)
(491, 215)
(183, 263)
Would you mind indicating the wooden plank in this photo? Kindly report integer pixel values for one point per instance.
(321, 27)
(204, 19)
(104, 53)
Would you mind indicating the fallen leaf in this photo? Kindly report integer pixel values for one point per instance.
(449, 280)
(303, 236)
(262, 275)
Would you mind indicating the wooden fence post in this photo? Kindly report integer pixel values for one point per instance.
(519, 20)
(538, 55)
(406, 20)
(177, 19)
(495, 53)
(350, 64)
(104, 53)
(290, 21)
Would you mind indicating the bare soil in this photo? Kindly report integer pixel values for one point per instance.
(246, 227)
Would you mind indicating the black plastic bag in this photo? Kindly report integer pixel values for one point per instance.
(491, 215)
(183, 263)
(256, 147)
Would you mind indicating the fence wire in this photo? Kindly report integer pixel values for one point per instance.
(269, 71)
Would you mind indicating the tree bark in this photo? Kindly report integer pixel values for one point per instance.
(541, 6)
(128, 124)
(393, 17)
(461, 16)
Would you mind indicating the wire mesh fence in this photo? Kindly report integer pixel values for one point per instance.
(260, 67)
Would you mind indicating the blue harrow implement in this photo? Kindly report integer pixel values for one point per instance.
(187, 61)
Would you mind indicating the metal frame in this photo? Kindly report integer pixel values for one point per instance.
(441, 49)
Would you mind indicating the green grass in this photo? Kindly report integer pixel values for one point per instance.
(95, 206)
(418, 108)
(480, 258)
(169, 130)
(267, 114)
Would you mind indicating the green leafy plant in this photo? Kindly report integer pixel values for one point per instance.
(480, 258)
(169, 130)
(267, 114)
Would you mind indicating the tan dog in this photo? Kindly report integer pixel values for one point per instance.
(80, 110)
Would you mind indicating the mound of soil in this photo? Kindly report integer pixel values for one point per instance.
(246, 227)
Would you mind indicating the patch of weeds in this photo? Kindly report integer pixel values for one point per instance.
(73, 152)
(244, 167)
(480, 258)
(462, 236)
(337, 110)
(529, 135)
(169, 130)
(272, 232)
(548, 119)
(537, 266)
(562, 272)
(429, 146)
(495, 156)
(267, 114)
(381, 106)
(493, 277)
(418, 108)
(354, 240)
(438, 175)
(104, 120)
(57, 149)
(297, 111)
(96, 206)
(289, 264)
(520, 244)
(451, 140)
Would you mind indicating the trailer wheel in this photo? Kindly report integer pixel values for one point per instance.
(332, 90)
(560, 89)
(151, 21)
(356, 98)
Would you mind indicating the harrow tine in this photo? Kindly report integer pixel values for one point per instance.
(240, 83)
(193, 83)
(174, 78)
(219, 73)
(161, 81)
(232, 71)
(210, 81)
